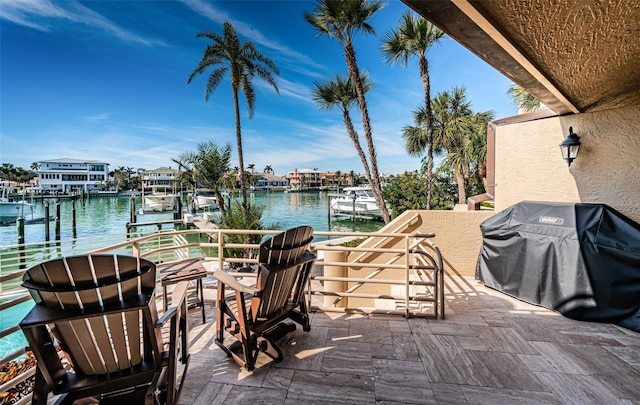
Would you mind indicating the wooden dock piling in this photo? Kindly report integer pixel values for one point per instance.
(57, 221)
(20, 228)
(73, 218)
(47, 218)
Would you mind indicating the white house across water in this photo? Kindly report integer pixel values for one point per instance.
(72, 175)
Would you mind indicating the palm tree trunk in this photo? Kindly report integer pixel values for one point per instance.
(352, 65)
(220, 203)
(482, 173)
(462, 196)
(243, 186)
(356, 142)
(424, 75)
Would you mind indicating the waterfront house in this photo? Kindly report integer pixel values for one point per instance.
(268, 181)
(164, 178)
(72, 175)
(305, 179)
(336, 180)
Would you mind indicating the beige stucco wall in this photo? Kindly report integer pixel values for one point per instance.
(457, 235)
(529, 165)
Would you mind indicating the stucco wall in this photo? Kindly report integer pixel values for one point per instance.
(529, 165)
(457, 233)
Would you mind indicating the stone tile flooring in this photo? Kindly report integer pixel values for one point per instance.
(490, 349)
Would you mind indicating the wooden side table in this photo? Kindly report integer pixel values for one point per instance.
(186, 270)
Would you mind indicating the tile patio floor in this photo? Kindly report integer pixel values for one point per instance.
(490, 349)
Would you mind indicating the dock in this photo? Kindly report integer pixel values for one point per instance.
(203, 223)
(38, 220)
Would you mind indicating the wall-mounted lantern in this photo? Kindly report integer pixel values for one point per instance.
(570, 146)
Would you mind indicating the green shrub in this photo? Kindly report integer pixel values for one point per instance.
(239, 217)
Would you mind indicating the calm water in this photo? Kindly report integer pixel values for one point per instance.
(109, 216)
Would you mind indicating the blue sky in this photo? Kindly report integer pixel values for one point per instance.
(107, 80)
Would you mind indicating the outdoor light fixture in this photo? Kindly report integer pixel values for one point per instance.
(570, 146)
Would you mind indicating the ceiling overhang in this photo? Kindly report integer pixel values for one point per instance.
(574, 56)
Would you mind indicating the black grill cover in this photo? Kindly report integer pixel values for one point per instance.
(582, 260)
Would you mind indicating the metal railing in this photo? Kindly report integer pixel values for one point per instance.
(390, 273)
(409, 265)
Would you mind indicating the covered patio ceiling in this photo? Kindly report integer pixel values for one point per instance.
(573, 55)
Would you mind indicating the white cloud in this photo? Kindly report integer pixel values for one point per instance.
(98, 117)
(43, 15)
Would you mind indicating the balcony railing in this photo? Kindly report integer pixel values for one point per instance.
(391, 273)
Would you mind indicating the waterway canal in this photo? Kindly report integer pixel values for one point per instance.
(109, 216)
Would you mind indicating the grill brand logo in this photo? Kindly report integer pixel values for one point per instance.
(551, 220)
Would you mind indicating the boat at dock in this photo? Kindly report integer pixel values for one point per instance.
(160, 200)
(204, 199)
(356, 201)
(11, 210)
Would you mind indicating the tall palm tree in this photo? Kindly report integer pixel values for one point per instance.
(342, 19)
(243, 61)
(414, 37)
(522, 99)
(268, 169)
(209, 164)
(339, 92)
(453, 122)
(417, 140)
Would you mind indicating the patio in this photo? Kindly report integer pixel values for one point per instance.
(490, 348)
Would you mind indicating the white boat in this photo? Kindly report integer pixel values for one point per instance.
(357, 201)
(12, 210)
(205, 199)
(159, 201)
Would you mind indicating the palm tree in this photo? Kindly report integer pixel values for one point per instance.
(186, 172)
(8, 172)
(477, 145)
(342, 19)
(244, 62)
(209, 164)
(121, 176)
(414, 37)
(352, 177)
(417, 140)
(453, 122)
(523, 100)
(251, 166)
(268, 169)
(340, 92)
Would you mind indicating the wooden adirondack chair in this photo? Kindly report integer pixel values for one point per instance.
(101, 311)
(254, 315)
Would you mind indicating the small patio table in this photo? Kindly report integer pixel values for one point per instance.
(187, 270)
